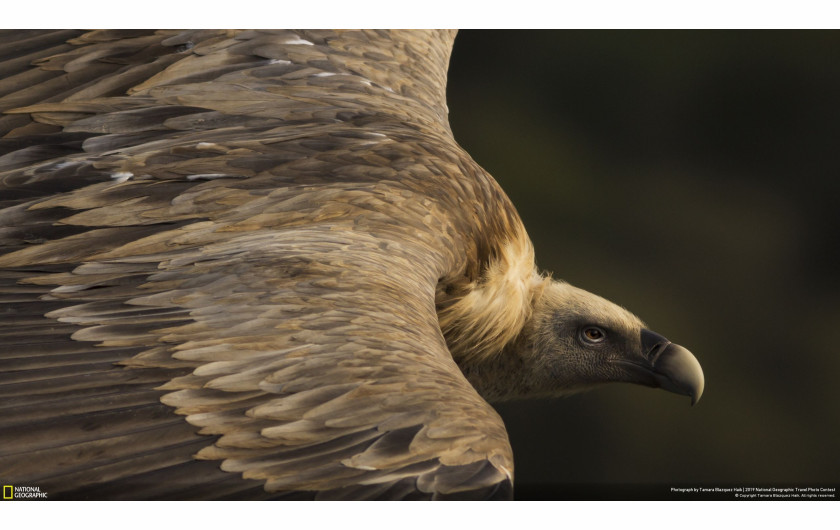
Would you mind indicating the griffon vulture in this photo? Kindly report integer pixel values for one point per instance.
(256, 264)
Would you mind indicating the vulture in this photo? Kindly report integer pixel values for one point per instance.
(257, 265)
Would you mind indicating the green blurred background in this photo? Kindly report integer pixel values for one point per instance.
(692, 177)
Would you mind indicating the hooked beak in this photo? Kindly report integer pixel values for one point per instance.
(668, 366)
(673, 367)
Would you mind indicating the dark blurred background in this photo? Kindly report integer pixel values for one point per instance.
(692, 177)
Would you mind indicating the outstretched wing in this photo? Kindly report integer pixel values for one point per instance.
(219, 262)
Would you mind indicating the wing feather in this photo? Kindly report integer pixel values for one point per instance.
(220, 259)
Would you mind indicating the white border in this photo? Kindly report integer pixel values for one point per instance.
(686, 515)
(625, 14)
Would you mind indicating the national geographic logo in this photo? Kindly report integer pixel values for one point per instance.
(23, 493)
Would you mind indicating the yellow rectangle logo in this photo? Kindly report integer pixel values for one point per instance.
(8, 492)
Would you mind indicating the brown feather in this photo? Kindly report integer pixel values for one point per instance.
(196, 268)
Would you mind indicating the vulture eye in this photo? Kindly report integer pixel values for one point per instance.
(593, 334)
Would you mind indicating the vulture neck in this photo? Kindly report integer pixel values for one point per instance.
(490, 313)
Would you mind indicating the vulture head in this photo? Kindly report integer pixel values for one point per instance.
(576, 340)
(560, 340)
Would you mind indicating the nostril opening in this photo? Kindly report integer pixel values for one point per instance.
(657, 350)
(652, 342)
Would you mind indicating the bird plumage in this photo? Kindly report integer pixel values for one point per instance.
(256, 264)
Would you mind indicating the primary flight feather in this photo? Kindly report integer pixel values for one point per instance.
(256, 264)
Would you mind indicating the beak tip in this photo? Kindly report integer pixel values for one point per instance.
(698, 386)
(696, 397)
